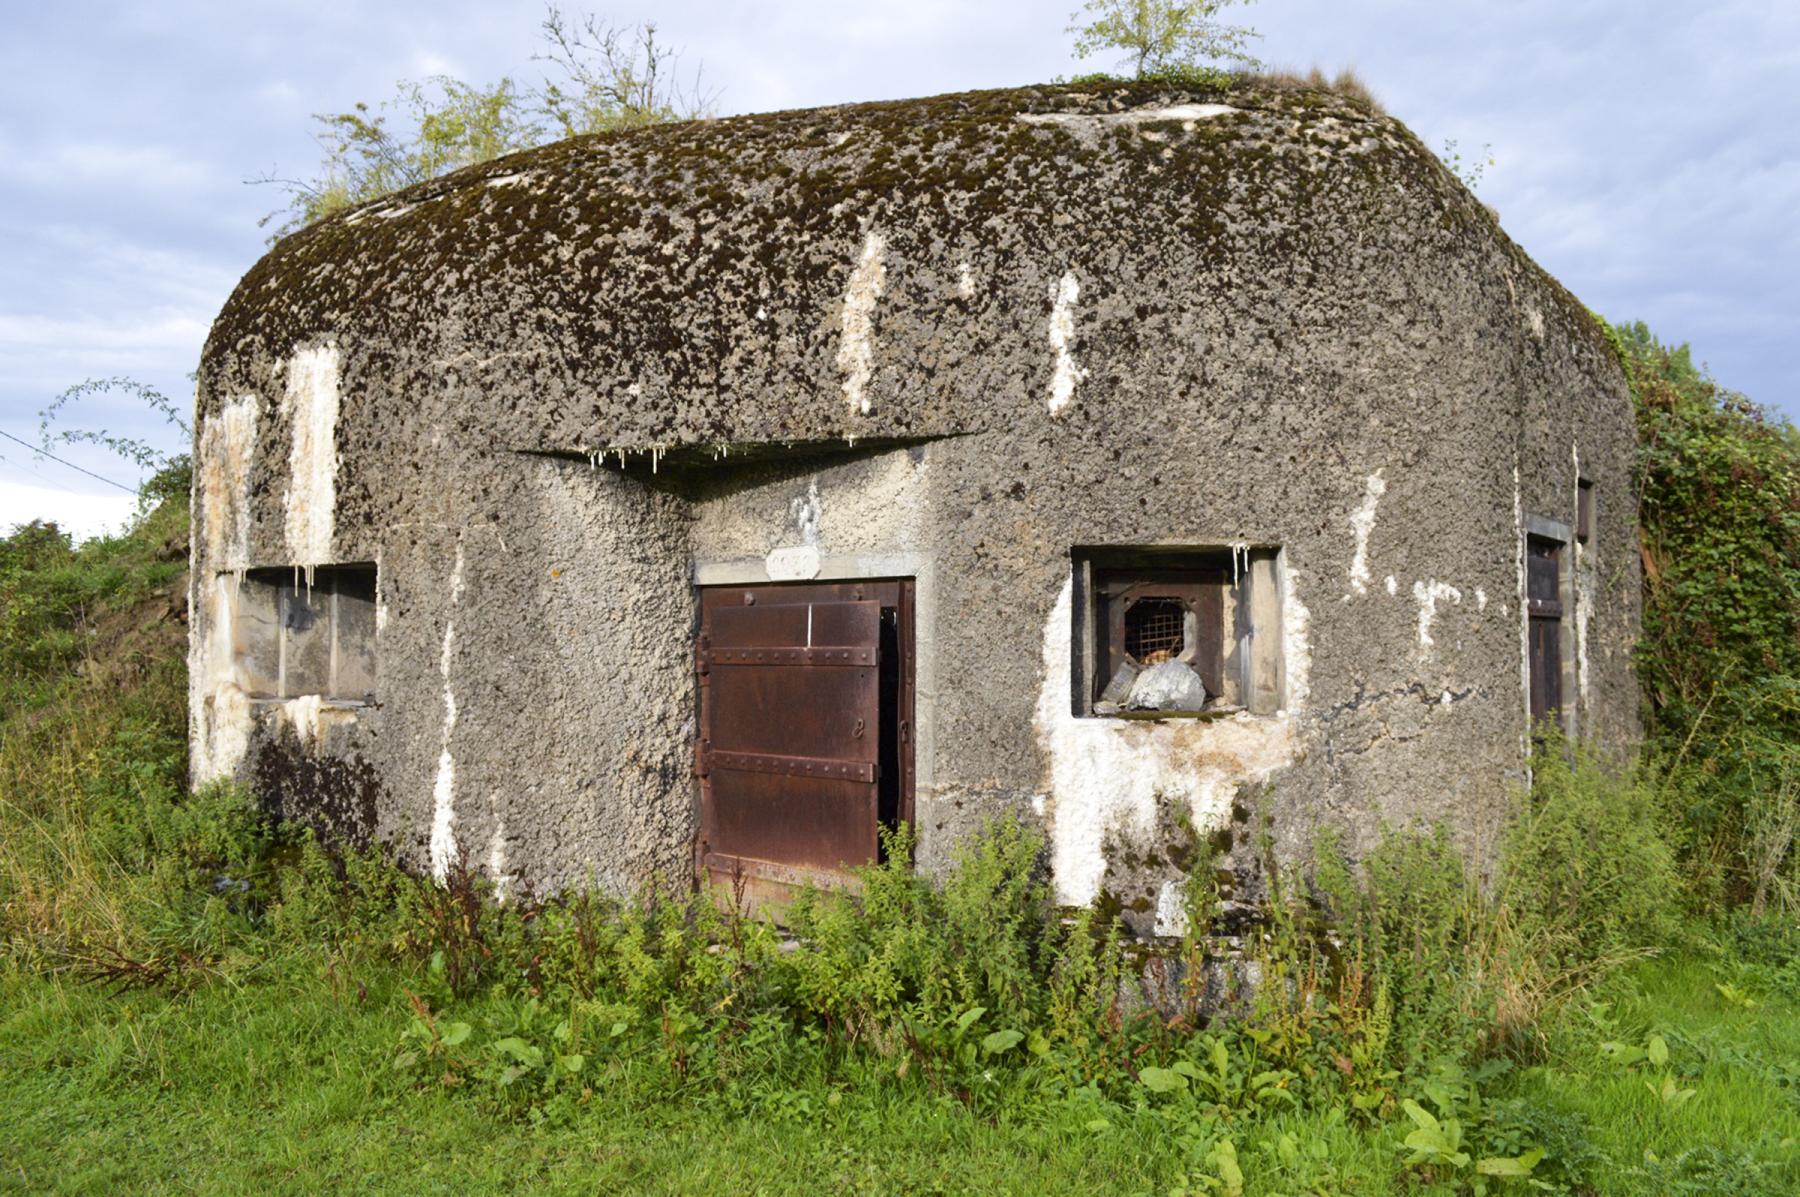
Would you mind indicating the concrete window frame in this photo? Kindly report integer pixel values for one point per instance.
(299, 636)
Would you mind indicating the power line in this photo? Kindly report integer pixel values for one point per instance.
(41, 480)
(59, 461)
(27, 466)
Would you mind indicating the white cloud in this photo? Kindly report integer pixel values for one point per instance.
(279, 91)
(99, 164)
(133, 270)
(1649, 198)
(35, 348)
(82, 515)
(427, 63)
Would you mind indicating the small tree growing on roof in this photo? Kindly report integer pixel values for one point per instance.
(601, 77)
(614, 78)
(1162, 37)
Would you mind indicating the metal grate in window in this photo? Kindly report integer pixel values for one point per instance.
(1155, 630)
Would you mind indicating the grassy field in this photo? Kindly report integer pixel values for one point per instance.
(283, 1086)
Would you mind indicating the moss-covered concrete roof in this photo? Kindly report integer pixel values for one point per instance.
(700, 282)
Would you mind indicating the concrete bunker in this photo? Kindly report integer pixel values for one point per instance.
(1161, 466)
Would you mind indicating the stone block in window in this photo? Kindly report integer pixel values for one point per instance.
(292, 639)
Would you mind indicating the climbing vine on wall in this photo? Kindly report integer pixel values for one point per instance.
(1719, 662)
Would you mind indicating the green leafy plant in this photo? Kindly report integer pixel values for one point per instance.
(1735, 997)
(1470, 171)
(1719, 663)
(1223, 1174)
(1162, 38)
(432, 1045)
(1655, 1053)
(604, 77)
(1438, 1143)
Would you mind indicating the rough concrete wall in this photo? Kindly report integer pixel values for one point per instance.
(1277, 323)
(1576, 422)
(575, 671)
(533, 658)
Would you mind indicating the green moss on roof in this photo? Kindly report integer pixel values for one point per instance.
(650, 265)
(645, 179)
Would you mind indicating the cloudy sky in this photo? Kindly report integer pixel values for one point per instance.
(1647, 153)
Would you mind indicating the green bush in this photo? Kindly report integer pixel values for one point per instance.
(1408, 922)
(1719, 662)
(1585, 877)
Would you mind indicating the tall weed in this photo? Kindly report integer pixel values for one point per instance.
(1585, 879)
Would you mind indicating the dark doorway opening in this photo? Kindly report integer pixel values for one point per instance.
(890, 774)
(1544, 608)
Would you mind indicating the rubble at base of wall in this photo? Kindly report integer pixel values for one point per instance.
(1163, 981)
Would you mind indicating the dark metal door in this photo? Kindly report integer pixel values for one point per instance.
(1543, 591)
(797, 720)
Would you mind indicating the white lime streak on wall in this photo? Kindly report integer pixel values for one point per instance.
(311, 716)
(227, 734)
(796, 563)
(807, 512)
(227, 451)
(1185, 113)
(1110, 775)
(1062, 341)
(1171, 911)
(381, 607)
(1428, 595)
(443, 813)
(1524, 609)
(856, 338)
(496, 859)
(220, 707)
(311, 406)
(878, 506)
(1583, 557)
(1296, 649)
(1584, 611)
(303, 714)
(1362, 522)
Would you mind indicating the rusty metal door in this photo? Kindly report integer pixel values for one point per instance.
(804, 742)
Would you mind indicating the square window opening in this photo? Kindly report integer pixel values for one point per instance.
(1176, 632)
(293, 640)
